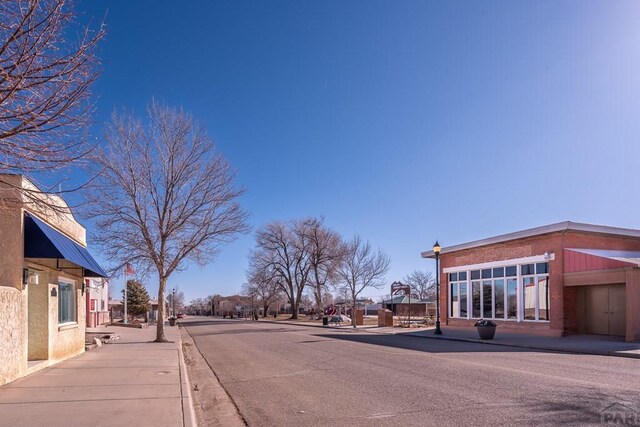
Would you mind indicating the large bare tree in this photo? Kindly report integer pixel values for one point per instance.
(164, 196)
(361, 268)
(45, 81)
(283, 252)
(422, 283)
(326, 253)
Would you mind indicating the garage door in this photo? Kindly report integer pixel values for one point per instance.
(605, 310)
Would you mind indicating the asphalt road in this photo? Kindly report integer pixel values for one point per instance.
(284, 375)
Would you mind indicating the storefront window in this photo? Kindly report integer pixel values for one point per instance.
(66, 303)
(494, 292)
(475, 295)
(498, 286)
(487, 299)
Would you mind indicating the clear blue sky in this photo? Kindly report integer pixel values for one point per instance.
(403, 121)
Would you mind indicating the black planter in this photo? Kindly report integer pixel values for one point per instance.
(486, 332)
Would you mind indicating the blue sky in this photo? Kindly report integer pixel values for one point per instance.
(402, 121)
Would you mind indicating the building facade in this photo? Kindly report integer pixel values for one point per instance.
(43, 264)
(559, 279)
(97, 291)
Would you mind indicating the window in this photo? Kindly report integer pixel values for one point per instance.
(499, 297)
(535, 291)
(512, 299)
(487, 299)
(455, 309)
(66, 303)
(515, 292)
(475, 295)
(458, 297)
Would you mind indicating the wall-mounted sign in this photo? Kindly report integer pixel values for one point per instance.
(54, 292)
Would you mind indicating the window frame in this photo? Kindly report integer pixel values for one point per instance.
(73, 319)
(519, 278)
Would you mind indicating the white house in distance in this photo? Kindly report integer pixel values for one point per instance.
(43, 265)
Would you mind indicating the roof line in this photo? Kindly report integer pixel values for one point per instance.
(537, 231)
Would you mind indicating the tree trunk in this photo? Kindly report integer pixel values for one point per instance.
(353, 312)
(160, 325)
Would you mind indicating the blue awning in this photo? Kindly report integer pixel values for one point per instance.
(42, 241)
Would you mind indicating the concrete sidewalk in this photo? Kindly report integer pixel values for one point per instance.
(581, 344)
(131, 381)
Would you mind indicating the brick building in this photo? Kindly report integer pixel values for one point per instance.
(559, 279)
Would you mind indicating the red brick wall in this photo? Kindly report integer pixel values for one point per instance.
(562, 300)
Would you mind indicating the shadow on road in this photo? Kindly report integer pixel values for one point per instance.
(426, 344)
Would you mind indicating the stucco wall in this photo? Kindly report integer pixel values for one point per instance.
(66, 340)
(11, 248)
(13, 358)
(38, 317)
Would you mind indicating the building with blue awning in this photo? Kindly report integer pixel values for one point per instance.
(44, 263)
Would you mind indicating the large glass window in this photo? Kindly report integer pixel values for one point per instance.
(455, 308)
(66, 303)
(463, 299)
(529, 298)
(487, 299)
(543, 297)
(512, 292)
(512, 299)
(475, 295)
(498, 285)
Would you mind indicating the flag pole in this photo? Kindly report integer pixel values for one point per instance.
(126, 320)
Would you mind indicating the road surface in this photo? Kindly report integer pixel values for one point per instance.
(285, 375)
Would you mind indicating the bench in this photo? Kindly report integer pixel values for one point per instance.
(335, 320)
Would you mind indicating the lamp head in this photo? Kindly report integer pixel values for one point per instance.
(437, 248)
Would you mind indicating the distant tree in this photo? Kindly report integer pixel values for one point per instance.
(163, 197)
(422, 283)
(45, 82)
(362, 268)
(138, 301)
(262, 286)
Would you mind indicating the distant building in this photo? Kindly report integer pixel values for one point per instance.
(97, 292)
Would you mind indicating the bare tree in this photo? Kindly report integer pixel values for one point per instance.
(164, 196)
(45, 81)
(263, 285)
(283, 251)
(326, 252)
(362, 268)
(422, 283)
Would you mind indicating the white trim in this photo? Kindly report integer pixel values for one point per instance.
(537, 231)
(504, 263)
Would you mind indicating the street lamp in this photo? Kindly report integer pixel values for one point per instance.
(436, 251)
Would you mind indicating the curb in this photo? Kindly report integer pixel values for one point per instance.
(189, 415)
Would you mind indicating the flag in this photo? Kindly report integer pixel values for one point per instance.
(129, 271)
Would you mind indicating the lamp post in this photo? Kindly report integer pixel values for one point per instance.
(436, 251)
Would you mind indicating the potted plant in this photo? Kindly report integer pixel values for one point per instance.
(486, 329)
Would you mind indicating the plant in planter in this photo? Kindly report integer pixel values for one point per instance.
(486, 329)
